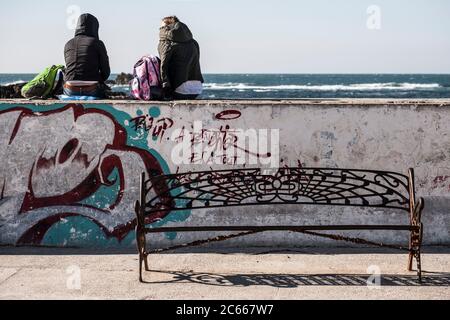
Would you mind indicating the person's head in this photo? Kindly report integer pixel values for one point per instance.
(169, 20)
(173, 29)
(87, 25)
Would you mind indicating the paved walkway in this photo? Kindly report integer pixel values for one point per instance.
(29, 273)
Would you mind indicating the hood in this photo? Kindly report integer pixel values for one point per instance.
(87, 26)
(177, 32)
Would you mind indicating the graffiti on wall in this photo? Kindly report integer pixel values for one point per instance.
(224, 146)
(70, 174)
(71, 163)
(157, 127)
(441, 182)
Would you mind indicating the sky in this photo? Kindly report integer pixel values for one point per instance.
(241, 36)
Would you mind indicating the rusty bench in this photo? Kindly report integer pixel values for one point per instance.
(255, 187)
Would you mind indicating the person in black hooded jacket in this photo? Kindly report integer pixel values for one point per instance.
(86, 60)
(180, 60)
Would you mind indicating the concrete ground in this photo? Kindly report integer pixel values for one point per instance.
(254, 274)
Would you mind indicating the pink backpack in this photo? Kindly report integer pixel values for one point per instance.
(146, 84)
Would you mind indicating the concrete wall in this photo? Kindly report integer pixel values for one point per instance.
(69, 173)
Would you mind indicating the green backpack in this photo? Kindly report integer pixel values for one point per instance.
(43, 85)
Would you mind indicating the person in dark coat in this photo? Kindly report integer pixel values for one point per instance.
(180, 60)
(87, 62)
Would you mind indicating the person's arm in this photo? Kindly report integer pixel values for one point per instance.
(105, 70)
(66, 52)
(198, 48)
(165, 53)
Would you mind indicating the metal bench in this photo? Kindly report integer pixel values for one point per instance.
(256, 187)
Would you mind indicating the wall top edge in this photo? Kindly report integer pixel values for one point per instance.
(256, 102)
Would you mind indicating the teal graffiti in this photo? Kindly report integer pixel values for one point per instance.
(105, 196)
(81, 231)
(154, 112)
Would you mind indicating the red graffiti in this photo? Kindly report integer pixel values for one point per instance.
(229, 115)
(441, 182)
(79, 164)
(216, 143)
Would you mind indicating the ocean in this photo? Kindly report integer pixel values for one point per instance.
(321, 86)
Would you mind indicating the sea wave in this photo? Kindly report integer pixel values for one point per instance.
(338, 87)
(120, 88)
(6, 84)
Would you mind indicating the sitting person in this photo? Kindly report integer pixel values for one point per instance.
(87, 62)
(181, 75)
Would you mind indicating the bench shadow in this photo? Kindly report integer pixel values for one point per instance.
(295, 281)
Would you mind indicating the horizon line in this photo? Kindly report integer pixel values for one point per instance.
(279, 73)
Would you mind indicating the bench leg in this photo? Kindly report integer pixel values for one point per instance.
(410, 261)
(140, 269)
(411, 251)
(416, 239)
(415, 251)
(140, 242)
(146, 262)
(418, 253)
(419, 264)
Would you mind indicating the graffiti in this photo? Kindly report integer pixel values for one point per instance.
(441, 182)
(225, 146)
(74, 162)
(158, 128)
(227, 176)
(229, 115)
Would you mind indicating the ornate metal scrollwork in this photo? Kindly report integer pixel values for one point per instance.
(212, 189)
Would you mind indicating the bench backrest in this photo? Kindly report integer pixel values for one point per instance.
(309, 186)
